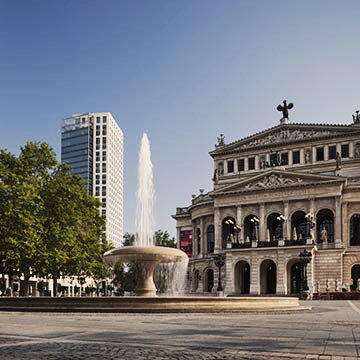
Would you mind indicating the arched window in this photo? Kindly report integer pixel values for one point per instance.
(299, 227)
(275, 227)
(228, 230)
(355, 230)
(210, 238)
(325, 226)
(251, 228)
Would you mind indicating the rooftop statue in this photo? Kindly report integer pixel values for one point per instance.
(285, 109)
(221, 141)
(356, 117)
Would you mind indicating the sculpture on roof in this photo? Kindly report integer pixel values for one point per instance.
(356, 117)
(221, 141)
(285, 109)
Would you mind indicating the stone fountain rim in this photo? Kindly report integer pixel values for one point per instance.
(145, 252)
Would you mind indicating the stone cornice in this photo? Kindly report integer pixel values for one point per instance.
(339, 132)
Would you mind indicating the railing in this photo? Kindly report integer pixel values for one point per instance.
(201, 198)
(180, 211)
(272, 243)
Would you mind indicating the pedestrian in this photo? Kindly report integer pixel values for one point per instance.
(343, 287)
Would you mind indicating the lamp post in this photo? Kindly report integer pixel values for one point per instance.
(305, 257)
(3, 265)
(219, 261)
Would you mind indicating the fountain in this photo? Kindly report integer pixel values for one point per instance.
(145, 255)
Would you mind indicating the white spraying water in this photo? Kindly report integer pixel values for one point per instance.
(145, 196)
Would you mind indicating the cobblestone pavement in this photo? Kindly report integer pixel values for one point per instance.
(331, 330)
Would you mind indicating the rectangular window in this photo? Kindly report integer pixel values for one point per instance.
(97, 146)
(104, 167)
(98, 140)
(241, 165)
(345, 150)
(332, 152)
(97, 179)
(104, 146)
(251, 163)
(285, 158)
(97, 193)
(98, 119)
(320, 154)
(104, 119)
(230, 166)
(104, 140)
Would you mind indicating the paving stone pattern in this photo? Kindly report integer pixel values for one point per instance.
(330, 331)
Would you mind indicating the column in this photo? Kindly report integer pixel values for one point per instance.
(326, 152)
(267, 158)
(313, 150)
(194, 240)
(262, 235)
(338, 221)
(345, 223)
(239, 222)
(217, 226)
(257, 162)
(236, 170)
(178, 228)
(351, 149)
(254, 276)
(338, 148)
(302, 156)
(290, 157)
(246, 164)
(312, 211)
(287, 224)
(202, 237)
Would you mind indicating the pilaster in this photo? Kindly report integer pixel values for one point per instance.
(239, 222)
(338, 222)
(262, 234)
(217, 226)
(287, 224)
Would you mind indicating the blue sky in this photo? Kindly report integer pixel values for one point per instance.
(184, 71)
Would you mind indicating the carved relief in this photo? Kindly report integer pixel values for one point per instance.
(286, 135)
(273, 181)
(308, 157)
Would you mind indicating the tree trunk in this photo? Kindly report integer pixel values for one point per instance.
(26, 285)
(54, 285)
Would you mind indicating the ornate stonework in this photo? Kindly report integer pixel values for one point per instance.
(286, 135)
(273, 181)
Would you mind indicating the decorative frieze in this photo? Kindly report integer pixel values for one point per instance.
(273, 181)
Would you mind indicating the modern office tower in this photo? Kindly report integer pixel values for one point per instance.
(92, 144)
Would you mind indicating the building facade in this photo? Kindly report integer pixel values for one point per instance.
(289, 188)
(92, 144)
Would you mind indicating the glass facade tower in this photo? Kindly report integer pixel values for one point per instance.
(92, 144)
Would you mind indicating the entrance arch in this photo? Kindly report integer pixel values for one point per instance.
(295, 276)
(268, 277)
(355, 276)
(209, 280)
(242, 277)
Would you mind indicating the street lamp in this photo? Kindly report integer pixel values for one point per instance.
(305, 257)
(219, 261)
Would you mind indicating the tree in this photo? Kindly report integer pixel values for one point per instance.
(21, 224)
(73, 237)
(162, 238)
(49, 224)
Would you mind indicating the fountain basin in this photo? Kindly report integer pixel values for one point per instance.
(136, 304)
(146, 258)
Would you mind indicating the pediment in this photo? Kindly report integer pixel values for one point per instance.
(287, 133)
(276, 179)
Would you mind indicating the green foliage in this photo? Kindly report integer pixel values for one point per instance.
(162, 238)
(49, 224)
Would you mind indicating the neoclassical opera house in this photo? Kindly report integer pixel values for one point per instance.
(292, 187)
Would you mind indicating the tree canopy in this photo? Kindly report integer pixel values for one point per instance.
(49, 224)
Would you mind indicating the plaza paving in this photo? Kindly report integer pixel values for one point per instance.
(330, 331)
